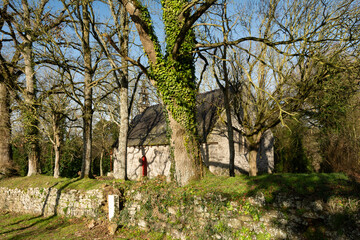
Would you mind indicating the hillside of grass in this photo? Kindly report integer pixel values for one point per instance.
(314, 184)
(42, 181)
(26, 226)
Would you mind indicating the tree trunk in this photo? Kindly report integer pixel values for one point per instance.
(57, 161)
(31, 121)
(87, 107)
(253, 152)
(120, 163)
(229, 125)
(188, 164)
(6, 163)
(87, 139)
(56, 146)
(121, 155)
(101, 162)
(252, 161)
(230, 133)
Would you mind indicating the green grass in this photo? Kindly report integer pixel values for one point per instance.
(42, 181)
(317, 185)
(26, 226)
(36, 227)
(324, 185)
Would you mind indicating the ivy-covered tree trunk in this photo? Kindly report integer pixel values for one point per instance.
(188, 165)
(6, 163)
(31, 121)
(173, 75)
(30, 118)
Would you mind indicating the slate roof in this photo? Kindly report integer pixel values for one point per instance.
(149, 127)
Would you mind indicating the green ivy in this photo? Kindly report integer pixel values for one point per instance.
(168, 136)
(175, 75)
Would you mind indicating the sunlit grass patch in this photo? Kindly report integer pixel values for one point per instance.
(42, 181)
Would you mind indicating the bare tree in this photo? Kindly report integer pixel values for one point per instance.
(27, 23)
(80, 15)
(6, 161)
(54, 111)
(121, 75)
(276, 80)
(105, 133)
(222, 76)
(272, 49)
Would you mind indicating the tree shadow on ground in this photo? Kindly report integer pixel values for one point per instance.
(20, 221)
(39, 220)
(30, 226)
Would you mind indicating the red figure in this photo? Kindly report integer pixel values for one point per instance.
(144, 166)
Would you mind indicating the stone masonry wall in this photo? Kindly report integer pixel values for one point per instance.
(185, 215)
(50, 201)
(214, 216)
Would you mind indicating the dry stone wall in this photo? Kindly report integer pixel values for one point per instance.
(214, 216)
(50, 201)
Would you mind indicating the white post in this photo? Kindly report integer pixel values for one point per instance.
(113, 203)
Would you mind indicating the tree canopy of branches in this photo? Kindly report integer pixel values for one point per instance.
(287, 51)
(27, 23)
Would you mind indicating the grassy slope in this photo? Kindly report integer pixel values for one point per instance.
(310, 185)
(314, 186)
(37, 227)
(42, 181)
(16, 226)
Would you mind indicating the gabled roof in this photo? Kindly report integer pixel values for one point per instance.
(149, 127)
